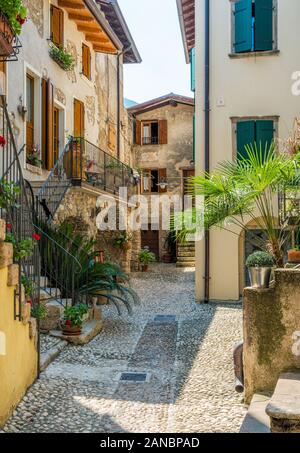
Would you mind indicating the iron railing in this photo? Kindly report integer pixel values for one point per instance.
(15, 209)
(150, 140)
(9, 43)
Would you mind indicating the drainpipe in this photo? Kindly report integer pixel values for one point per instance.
(119, 101)
(207, 139)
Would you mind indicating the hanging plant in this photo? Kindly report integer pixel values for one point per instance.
(15, 13)
(62, 57)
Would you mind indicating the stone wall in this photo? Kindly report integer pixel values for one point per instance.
(271, 332)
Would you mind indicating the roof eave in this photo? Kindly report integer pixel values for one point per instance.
(183, 32)
(94, 9)
(126, 30)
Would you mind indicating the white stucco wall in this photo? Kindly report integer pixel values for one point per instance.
(251, 86)
(98, 94)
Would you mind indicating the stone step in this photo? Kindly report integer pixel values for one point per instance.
(284, 406)
(183, 254)
(186, 264)
(256, 420)
(185, 258)
(186, 248)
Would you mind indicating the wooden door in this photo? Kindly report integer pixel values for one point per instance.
(151, 239)
(186, 175)
(78, 119)
(30, 113)
(56, 134)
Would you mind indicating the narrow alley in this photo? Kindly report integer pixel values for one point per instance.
(179, 353)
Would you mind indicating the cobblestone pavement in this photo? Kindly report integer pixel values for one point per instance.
(187, 360)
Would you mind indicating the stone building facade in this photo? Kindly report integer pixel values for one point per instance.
(163, 153)
(48, 104)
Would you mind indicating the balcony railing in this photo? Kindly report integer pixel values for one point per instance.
(86, 163)
(150, 141)
(9, 42)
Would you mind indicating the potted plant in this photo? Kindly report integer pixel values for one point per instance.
(123, 241)
(260, 265)
(12, 18)
(145, 258)
(62, 57)
(34, 157)
(171, 248)
(73, 319)
(294, 254)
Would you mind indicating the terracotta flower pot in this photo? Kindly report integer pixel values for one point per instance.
(6, 37)
(145, 267)
(71, 331)
(294, 256)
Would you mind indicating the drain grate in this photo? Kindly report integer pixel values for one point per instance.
(165, 318)
(134, 377)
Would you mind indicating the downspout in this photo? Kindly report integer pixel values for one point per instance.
(207, 140)
(119, 101)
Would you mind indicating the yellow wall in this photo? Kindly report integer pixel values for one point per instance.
(18, 367)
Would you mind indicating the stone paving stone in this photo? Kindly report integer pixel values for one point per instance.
(190, 388)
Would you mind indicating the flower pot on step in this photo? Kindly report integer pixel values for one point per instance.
(294, 256)
(145, 267)
(70, 331)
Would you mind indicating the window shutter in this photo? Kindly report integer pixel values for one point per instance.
(264, 135)
(138, 133)
(243, 26)
(50, 123)
(44, 122)
(263, 25)
(57, 26)
(162, 177)
(245, 136)
(163, 132)
(86, 61)
(194, 137)
(193, 69)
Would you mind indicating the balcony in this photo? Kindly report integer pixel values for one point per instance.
(9, 42)
(86, 164)
(150, 141)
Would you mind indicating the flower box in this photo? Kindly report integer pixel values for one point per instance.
(6, 37)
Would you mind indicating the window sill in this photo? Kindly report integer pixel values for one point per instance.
(264, 53)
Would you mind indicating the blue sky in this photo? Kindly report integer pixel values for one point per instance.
(154, 26)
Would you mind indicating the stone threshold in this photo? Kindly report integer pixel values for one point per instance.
(257, 420)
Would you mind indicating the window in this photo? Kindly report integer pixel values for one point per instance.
(249, 132)
(86, 61)
(57, 26)
(154, 181)
(151, 132)
(253, 26)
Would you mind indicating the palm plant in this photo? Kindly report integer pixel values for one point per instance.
(246, 189)
(88, 278)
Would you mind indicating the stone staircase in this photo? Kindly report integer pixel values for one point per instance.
(279, 413)
(186, 255)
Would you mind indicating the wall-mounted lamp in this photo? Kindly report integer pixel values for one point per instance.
(21, 108)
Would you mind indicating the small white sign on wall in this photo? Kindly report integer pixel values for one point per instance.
(2, 343)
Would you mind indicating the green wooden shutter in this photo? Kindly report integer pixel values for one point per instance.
(243, 26)
(263, 25)
(193, 70)
(245, 136)
(264, 134)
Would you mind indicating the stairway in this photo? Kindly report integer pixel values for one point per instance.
(279, 413)
(186, 255)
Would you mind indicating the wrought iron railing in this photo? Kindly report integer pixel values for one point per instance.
(9, 43)
(16, 210)
(150, 140)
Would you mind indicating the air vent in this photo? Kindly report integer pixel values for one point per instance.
(165, 318)
(133, 377)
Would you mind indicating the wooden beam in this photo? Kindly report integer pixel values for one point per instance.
(90, 28)
(70, 4)
(104, 49)
(81, 18)
(99, 37)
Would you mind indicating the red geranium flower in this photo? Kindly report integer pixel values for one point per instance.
(68, 323)
(36, 236)
(20, 19)
(9, 226)
(2, 141)
(30, 302)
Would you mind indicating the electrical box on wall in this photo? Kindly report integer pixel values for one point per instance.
(221, 102)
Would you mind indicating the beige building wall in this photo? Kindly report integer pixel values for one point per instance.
(240, 87)
(99, 94)
(175, 156)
